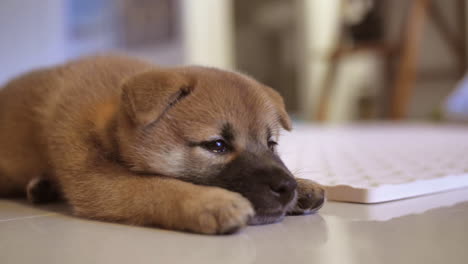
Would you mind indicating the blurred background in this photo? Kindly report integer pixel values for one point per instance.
(334, 61)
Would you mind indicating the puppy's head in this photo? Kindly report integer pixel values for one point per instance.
(209, 127)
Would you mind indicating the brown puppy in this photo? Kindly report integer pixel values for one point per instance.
(188, 148)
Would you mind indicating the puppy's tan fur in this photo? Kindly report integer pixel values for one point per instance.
(88, 126)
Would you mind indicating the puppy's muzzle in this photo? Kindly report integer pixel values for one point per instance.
(278, 182)
(264, 181)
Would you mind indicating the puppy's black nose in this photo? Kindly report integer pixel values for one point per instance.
(283, 187)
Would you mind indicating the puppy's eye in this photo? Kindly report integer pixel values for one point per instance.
(216, 146)
(272, 145)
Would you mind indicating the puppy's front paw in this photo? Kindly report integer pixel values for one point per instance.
(218, 211)
(310, 197)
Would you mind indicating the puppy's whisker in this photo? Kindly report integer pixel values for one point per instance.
(301, 172)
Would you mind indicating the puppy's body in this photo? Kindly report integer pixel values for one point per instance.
(47, 110)
(121, 143)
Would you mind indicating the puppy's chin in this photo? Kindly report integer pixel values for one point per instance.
(263, 219)
(270, 216)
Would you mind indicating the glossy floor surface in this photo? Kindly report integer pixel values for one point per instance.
(429, 229)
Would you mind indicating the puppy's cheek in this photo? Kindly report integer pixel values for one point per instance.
(206, 157)
(204, 165)
(170, 163)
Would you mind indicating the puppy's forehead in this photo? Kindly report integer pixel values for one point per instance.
(223, 98)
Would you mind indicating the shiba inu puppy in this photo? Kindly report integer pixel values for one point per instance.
(188, 148)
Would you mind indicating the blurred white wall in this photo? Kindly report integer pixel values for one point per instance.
(35, 33)
(32, 34)
(319, 28)
(208, 32)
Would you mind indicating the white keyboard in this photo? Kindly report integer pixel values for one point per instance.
(380, 162)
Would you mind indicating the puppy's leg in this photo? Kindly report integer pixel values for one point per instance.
(118, 195)
(41, 190)
(310, 197)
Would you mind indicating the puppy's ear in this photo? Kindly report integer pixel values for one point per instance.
(146, 96)
(278, 101)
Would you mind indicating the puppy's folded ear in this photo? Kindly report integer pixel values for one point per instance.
(278, 102)
(147, 96)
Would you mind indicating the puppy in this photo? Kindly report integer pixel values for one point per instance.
(189, 148)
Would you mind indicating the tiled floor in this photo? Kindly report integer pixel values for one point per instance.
(396, 232)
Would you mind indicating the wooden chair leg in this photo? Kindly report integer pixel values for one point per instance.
(462, 20)
(327, 90)
(406, 71)
(454, 39)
